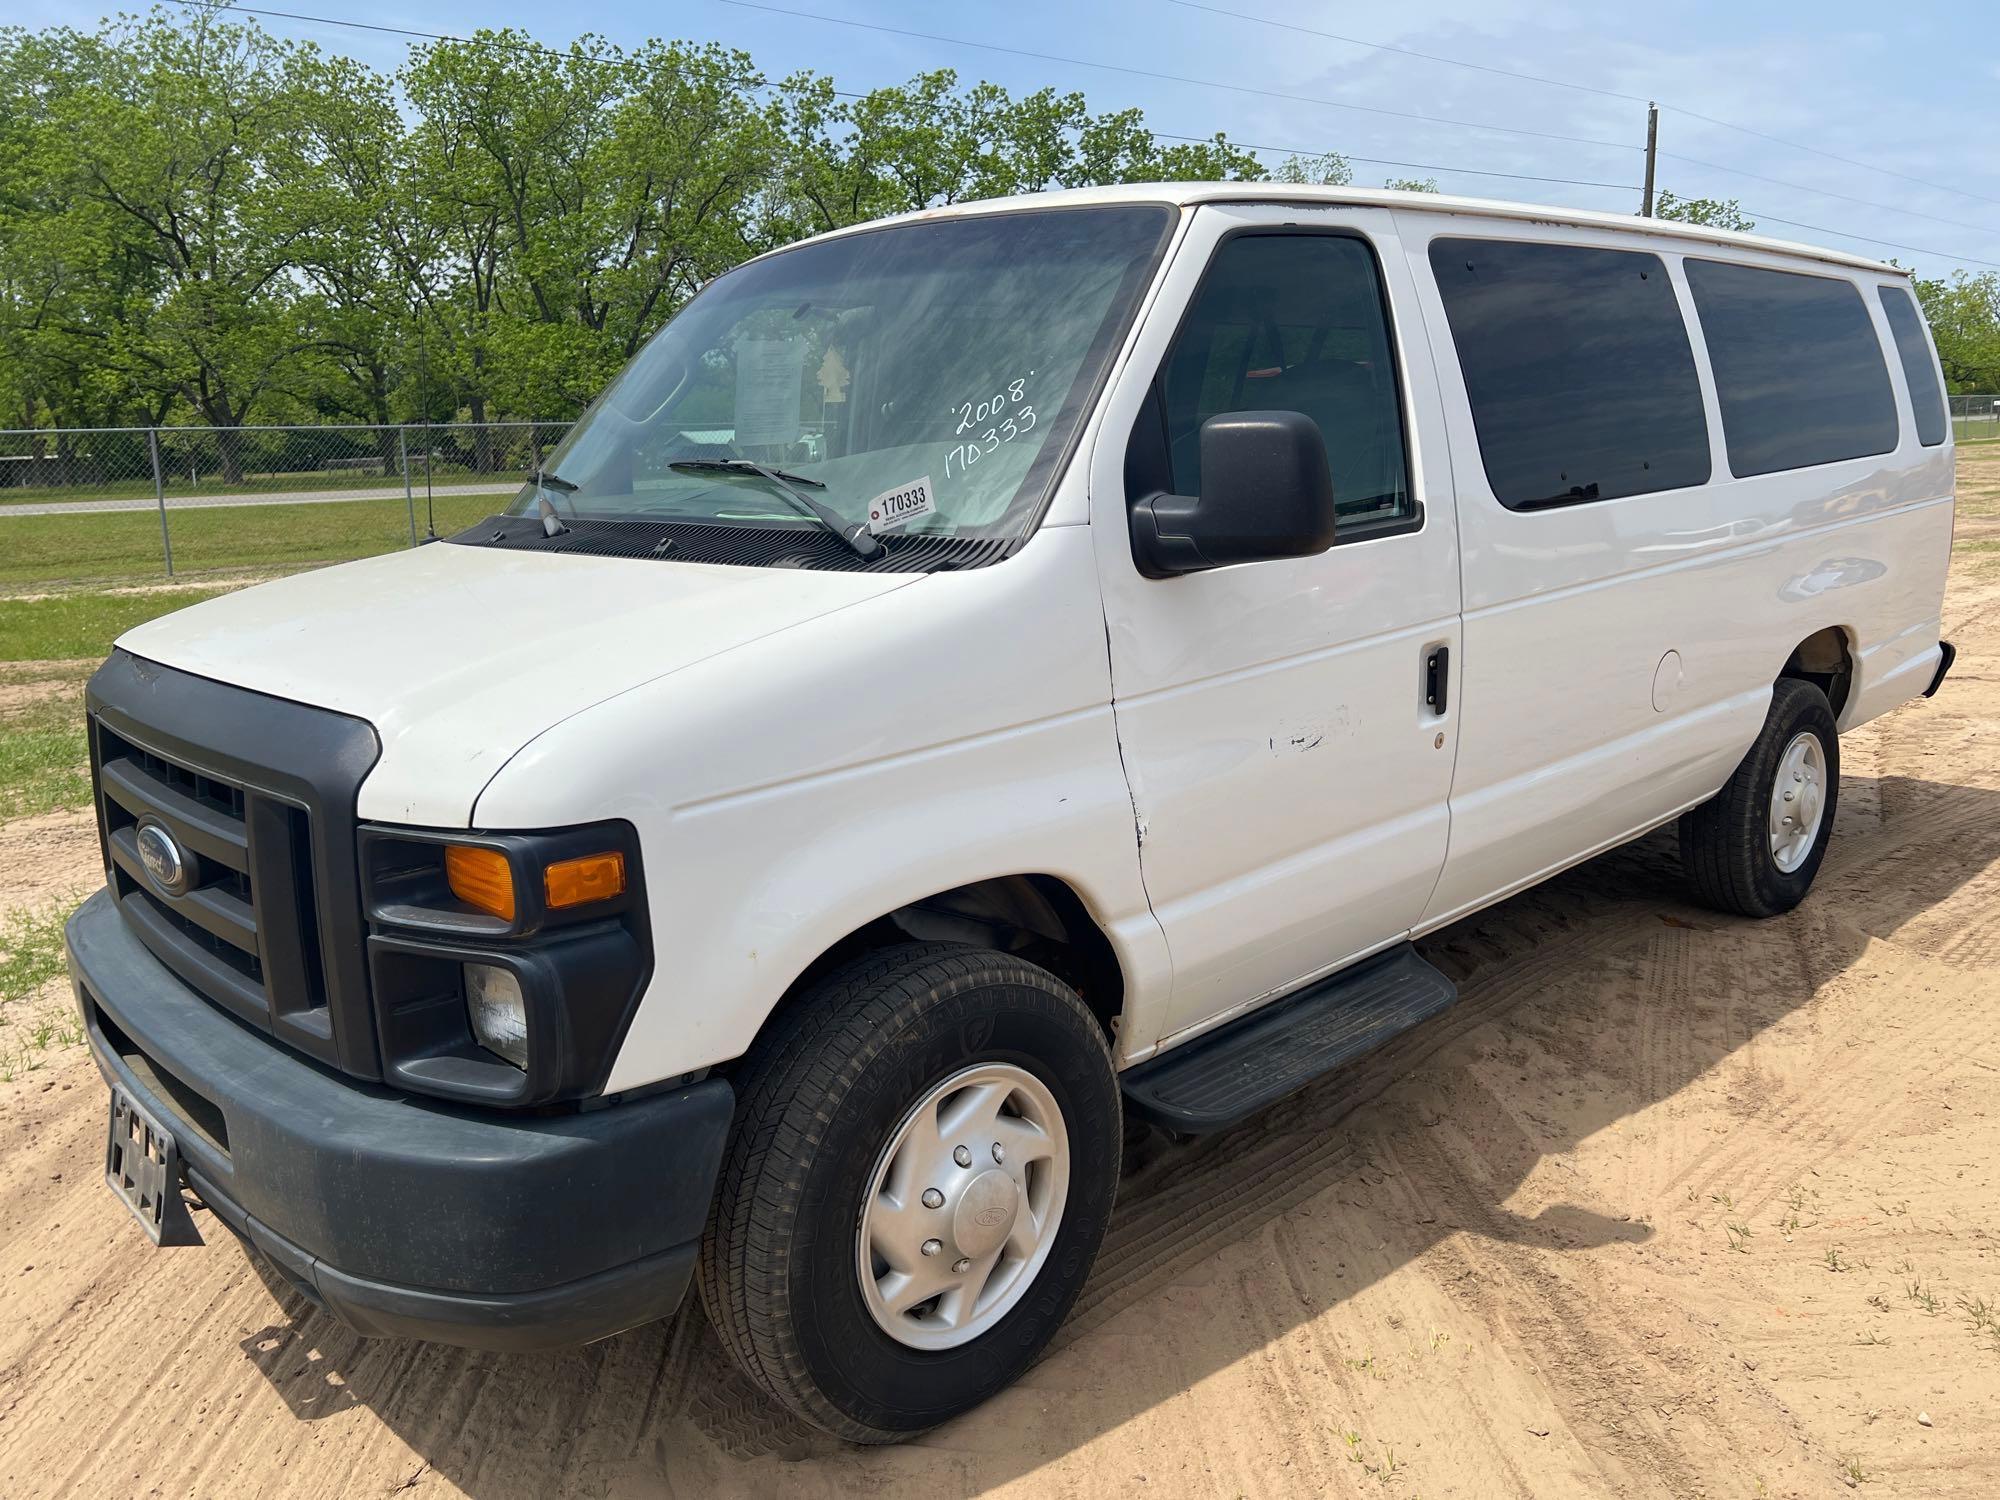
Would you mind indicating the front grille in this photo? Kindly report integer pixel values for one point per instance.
(243, 932)
(259, 796)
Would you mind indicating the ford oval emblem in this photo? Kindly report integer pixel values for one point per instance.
(163, 859)
(992, 1216)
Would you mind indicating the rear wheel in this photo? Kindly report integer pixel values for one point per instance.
(1755, 847)
(924, 1158)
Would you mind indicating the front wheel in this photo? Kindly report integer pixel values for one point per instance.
(1755, 847)
(923, 1163)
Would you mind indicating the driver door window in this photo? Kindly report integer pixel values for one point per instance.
(1293, 322)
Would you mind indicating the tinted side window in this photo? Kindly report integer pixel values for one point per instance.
(1919, 371)
(1294, 322)
(1578, 367)
(1798, 369)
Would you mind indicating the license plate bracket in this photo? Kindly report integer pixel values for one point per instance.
(142, 1166)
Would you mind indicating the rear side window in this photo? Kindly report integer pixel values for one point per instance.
(1919, 372)
(1798, 369)
(1578, 368)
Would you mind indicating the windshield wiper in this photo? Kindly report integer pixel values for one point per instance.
(855, 537)
(546, 479)
(745, 466)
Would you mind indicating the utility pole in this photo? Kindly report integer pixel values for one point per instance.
(1652, 156)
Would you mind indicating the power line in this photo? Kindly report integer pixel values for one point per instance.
(1207, 83)
(1831, 156)
(1800, 187)
(1970, 260)
(541, 49)
(1564, 83)
(1418, 166)
(497, 43)
(1355, 41)
(558, 54)
(502, 44)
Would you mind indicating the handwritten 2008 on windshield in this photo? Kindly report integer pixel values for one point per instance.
(1009, 415)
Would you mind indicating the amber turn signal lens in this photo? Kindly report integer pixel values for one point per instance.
(481, 878)
(578, 882)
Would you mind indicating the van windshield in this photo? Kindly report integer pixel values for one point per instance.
(957, 356)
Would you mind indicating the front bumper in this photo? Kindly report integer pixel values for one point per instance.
(404, 1216)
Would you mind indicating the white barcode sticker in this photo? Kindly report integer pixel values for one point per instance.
(900, 506)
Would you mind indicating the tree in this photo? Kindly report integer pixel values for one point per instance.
(1716, 213)
(201, 223)
(928, 142)
(575, 201)
(689, 151)
(356, 243)
(1964, 313)
(1412, 184)
(165, 147)
(1328, 169)
(1117, 147)
(501, 170)
(68, 288)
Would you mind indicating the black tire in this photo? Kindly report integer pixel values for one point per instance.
(818, 1098)
(1725, 843)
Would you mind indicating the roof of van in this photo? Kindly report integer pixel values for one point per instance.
(1437, 203)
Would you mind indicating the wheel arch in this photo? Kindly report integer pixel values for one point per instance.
(1825, 659)
(1038, 917)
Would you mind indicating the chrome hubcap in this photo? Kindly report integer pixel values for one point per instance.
(1798, 801)
(963, 1206)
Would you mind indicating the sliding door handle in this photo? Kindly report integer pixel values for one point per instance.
(1437, 679)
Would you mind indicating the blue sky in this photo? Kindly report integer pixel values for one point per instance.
(1913, 88)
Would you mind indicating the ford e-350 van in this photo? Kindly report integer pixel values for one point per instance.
(975, 679)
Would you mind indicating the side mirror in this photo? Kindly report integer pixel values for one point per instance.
(1266, 492)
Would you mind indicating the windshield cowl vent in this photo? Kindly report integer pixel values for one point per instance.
(737, 545)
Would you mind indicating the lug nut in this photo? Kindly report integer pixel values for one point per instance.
(961, 1155)
(960, 1266)
(999, 1153)
(933, 1198)
(933, 1247)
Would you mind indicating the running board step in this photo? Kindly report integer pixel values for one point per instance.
(1227, 1075)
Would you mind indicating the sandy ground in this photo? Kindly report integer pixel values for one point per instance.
(1668, 1205)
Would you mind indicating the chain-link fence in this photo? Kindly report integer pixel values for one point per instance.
(124, 504)
(99, 504)
(1975, 419)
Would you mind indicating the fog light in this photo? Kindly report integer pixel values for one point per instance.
(499, 1013)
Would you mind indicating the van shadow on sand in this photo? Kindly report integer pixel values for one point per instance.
(1584, 965)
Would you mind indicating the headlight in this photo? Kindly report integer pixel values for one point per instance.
(498, 1012)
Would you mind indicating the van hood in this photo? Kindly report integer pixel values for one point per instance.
(461, 655)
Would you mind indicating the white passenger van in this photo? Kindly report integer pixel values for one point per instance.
(975, 679)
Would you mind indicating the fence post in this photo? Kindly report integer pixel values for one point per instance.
(409, 500)
(160, 496)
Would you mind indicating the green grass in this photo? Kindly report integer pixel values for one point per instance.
(64, 627)
(31, 956)
(125, 545)
(43, 759)
(31, 953)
